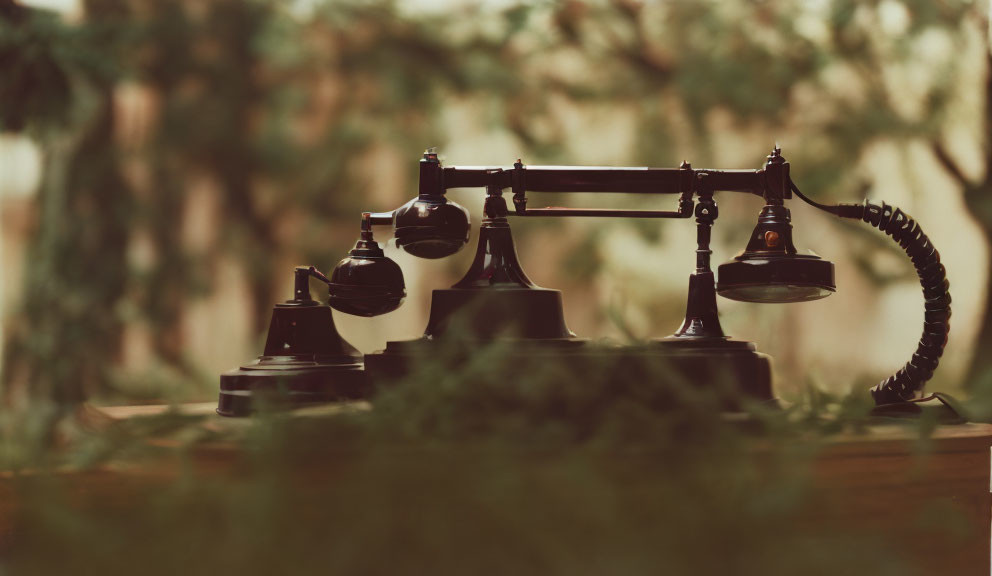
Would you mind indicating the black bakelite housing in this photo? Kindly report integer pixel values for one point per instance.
(305, 361)
(366, 282)
(770, 271)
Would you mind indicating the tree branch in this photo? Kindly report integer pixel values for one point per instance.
(949, 164)
(988, 111)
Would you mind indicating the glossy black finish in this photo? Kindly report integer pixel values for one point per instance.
(496, 263)
(486, 314)
(699, 352)
(772, 235)
(732, 370)
(702, 320)
(432, 227)
(776, 280)
(733, 366)
(366, 283)
(775, 177)
(495, 298)
(556, 212)
(305, 361)
(899, 392)
(908, 382)
(585, 179)
(770, 270)
(629, 180)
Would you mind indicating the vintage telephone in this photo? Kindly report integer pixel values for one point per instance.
(305, 359)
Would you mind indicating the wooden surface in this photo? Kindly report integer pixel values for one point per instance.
(881, 479)
(890, 477)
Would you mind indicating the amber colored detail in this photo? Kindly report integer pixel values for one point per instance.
(771, 238)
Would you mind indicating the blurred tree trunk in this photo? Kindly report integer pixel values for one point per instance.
(167, 35)
(238, 164)
(70, 335)
(978, 199)
(67, 341)
(206, 126)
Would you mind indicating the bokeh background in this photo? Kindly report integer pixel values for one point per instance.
(164, 165)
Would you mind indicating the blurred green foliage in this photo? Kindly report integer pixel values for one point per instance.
(240, 87)
(460, 470)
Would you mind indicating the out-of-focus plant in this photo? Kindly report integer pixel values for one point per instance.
(275, 107)
(58, 83)
(240, 84)
(460, 467)
(469, 469)
(833, 76)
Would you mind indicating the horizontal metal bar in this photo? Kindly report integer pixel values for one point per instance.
(381, 218)
(475, 177)
(732, 180)
(568, 179)
(623, 180)
(603, 179)
(600, 213)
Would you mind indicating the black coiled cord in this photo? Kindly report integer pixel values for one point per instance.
(905, 384)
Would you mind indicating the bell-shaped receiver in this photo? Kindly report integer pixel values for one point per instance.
(305, 360)
(770, 271)
(431, 227)
(366, 283)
